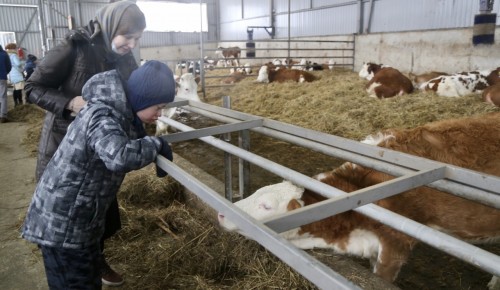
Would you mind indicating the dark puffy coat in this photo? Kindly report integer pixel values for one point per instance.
(71, 199)
(5, 66)
(60, 76)
(29, 66)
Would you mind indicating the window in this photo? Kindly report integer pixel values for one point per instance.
(170, 16)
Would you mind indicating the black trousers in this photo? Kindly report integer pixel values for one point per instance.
(72, 269)
(113, 222)
(18, 97)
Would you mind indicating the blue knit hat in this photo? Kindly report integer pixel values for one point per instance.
(151, 84)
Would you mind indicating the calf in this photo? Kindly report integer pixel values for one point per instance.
(419, 80)
(187, 88)
(388, 82)
(268, 75)
(331, 64)
(492, 95)
(369, 69)
(462, 84)
(234, 77)
(468, 142)
(302, 65)
(225, 53)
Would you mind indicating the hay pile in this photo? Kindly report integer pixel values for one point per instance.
(338, 104)
(33, 115)
(166, 245)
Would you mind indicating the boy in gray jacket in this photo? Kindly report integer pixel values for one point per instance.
(104, 142)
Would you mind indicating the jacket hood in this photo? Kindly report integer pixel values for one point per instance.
(107, 89)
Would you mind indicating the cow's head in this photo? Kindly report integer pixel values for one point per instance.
(188, 87)
(369, 69)
(266, 202)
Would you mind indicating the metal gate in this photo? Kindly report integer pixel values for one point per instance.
(411, 172)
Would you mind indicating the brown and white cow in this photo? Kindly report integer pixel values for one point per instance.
(369, 69)
(419, 80)
(464, 83)
(388, 82)
(268, 74)
(234, 77)
(229, 52)
(470, 142)
(492, 95)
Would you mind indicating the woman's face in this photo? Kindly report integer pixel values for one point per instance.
(123, 44)
(149, 115)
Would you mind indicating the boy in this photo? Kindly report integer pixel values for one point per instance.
(104, 142)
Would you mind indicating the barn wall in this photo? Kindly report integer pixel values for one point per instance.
(171, 54)
(300, 18)
(449, 50)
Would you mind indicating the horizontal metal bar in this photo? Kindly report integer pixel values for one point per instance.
(178, 102)
(473, 255)
(306, 265)
(285, 40)
(343, 149)
(336, 205)
(216, 130)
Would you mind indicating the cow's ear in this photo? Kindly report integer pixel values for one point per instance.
(197, 79)
(293, 204)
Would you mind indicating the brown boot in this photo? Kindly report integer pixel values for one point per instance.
(109, 276)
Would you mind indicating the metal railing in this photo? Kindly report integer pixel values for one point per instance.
(410, 171)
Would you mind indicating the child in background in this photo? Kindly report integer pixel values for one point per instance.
(29, 66)
(16, 74)
(104, 142)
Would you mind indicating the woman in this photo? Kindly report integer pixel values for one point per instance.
(16, 74)
(106, 43)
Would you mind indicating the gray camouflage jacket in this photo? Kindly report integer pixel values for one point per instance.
(70, 201)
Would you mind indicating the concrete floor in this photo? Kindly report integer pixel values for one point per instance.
(21, 264)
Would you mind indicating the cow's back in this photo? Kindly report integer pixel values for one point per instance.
(472, 142)
(389, 82)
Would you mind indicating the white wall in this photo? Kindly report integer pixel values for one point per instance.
(448, 50)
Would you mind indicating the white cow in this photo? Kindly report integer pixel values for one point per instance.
(462, 84)
(187, 88)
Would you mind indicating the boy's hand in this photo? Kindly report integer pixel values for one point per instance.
(166, 152)
(76, 104)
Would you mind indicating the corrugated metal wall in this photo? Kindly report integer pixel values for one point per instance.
(341, 17)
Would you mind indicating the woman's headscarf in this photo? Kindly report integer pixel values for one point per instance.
(115, 17)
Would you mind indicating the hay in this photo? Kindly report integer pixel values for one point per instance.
(164, 244)
(338, 104)
(33, 115)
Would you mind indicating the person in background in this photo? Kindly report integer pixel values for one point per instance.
(105, 44)
(16, 74)
(5, 67)
(29, 66)
(106, 140)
